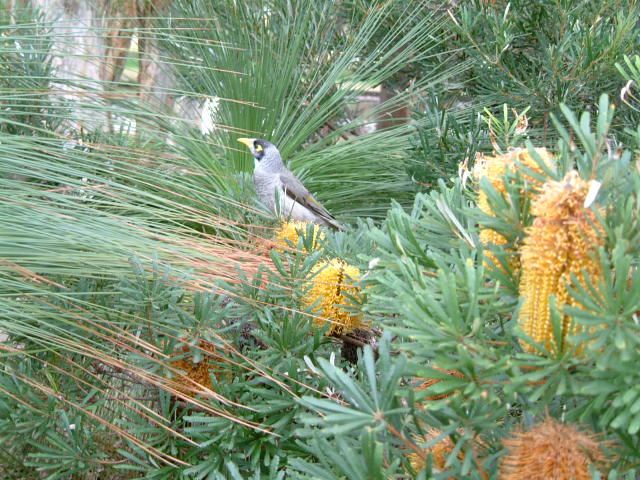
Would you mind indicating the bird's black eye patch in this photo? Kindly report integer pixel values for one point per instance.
(257, 147)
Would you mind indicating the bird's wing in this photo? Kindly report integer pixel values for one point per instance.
(295, 190)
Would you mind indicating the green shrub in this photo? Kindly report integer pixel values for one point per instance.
(454, 317)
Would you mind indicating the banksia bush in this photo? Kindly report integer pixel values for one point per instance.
(94, 288)
(329, 290)
(495, 169)
(431, 297)
(292, 230)
(552, 451)
(562, 241)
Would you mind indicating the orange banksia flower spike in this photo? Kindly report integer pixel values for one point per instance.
(200, 372)
(428, 382)
(439, 452)
(552, 451)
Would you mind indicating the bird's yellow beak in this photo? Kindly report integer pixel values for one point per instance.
(247, 141)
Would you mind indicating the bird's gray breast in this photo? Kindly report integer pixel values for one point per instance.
(266, 184)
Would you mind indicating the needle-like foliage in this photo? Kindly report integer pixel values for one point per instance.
(287, 72)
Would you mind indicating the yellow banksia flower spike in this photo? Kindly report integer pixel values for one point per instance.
(561, 241)
(329, 287)
(494, 169)
(291, 230)
(552, 450)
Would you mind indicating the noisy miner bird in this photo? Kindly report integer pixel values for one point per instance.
(275, 181)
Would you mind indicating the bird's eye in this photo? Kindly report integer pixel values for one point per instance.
(257, 147)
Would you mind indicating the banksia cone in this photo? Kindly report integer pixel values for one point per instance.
(552, 451)
(561, 242)
(292, 230)
(328, 287)
(495, 168)
(200, 372)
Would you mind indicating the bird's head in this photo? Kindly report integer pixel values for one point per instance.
(265, 153)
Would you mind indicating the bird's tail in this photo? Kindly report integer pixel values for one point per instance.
(333, 223)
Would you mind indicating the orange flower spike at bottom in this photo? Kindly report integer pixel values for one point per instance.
(552, 451)
(440, 451)
(200, 372)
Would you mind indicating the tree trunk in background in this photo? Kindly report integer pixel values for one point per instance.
(120, 21)
(81, 46)
(91, 41)
(154, 76)
(78, 48)
(398, 114)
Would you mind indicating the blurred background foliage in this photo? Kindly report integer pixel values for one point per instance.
(150, 326)
(295, 75)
